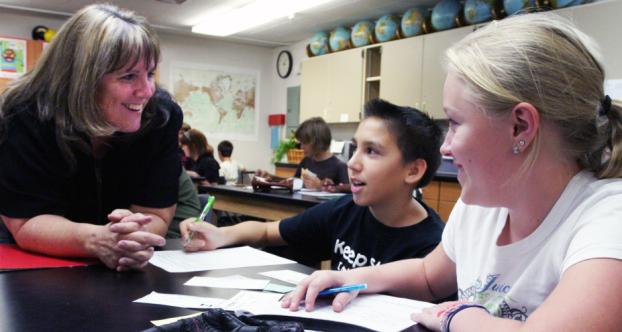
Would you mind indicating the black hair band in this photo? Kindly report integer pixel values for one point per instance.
(605, 106)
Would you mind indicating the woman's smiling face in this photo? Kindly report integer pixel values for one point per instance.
(123, 94)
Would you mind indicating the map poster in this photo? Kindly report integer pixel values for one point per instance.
(12, 57)
(221, 102)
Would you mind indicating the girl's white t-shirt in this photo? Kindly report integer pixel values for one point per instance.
(511, 281)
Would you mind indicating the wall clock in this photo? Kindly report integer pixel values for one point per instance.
(284, 64)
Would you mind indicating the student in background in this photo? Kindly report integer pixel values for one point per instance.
(319, 166)
(229, 168)
(188, 204)
(534, 244)
(88, 148)
(380, 222)
(186, 162)
(195, 146)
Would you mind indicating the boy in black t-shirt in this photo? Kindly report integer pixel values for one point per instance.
(397, 151)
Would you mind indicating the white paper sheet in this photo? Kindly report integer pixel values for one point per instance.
(182, 301)
(165, 321)
(322, 194)
(289, 276)
(230, 258)
(235, 281)
(373, 311)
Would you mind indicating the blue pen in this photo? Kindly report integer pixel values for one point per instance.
(348, 288)
(208, 206)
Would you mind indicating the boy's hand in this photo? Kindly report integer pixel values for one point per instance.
(205, 235)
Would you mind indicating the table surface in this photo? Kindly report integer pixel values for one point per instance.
(276, 195)
(274, 205)
(95, 298)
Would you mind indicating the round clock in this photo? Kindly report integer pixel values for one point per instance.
(284, 64)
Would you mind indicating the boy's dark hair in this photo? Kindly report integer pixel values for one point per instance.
(225, 148)
(416, 134)
(315, 132)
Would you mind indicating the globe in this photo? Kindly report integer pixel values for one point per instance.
(362, 33)
(413, 22)
(565, 3)
(386, 28)
(513, 6)
(478, 11)
(446, 15)
(339, 39)
(318, 44)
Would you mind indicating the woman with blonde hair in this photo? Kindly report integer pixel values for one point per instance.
(534, 242)
(88, 148)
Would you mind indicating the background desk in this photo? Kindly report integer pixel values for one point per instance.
(270, 206)
(98, 299)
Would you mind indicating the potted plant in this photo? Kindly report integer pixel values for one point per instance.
(284, 146)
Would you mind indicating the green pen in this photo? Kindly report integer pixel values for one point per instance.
(208, 206)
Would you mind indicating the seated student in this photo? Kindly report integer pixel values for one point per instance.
(535, 242)
(229, 168)
(195, 146)
(186, 162)
(380, 222)
(88, 146)
(319, 166)
(188, 205)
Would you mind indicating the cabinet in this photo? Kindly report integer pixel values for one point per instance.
(400, 69)
(405, 72)
(442, 196)
(331, 87)
(600, 20)
(433, 71)
(34, 49)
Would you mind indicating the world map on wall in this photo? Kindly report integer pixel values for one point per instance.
(217, 102)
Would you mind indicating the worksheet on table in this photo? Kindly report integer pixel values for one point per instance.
(373, 311)
(229, 258)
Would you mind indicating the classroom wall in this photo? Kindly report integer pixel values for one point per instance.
(340, 131)
(211, 52)
(201, 50)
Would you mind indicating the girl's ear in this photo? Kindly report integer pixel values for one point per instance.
(416, 169)
(526, 121)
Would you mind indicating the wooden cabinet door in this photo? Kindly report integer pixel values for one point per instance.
(400, 72)
(433, 73)
(314, 87)
(600, 20)
(346, 82)
(331, 87)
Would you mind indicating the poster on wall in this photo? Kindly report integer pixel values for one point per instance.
(219, 101)
(12, 57)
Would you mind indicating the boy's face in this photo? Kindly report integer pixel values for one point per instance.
(376, 170)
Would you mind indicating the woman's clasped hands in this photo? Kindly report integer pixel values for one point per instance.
(124, 243)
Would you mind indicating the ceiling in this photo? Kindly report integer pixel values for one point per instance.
(170, 16)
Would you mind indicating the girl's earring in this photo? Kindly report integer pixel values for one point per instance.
(516, 148)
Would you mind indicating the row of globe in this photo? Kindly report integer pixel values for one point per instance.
(446, 14)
